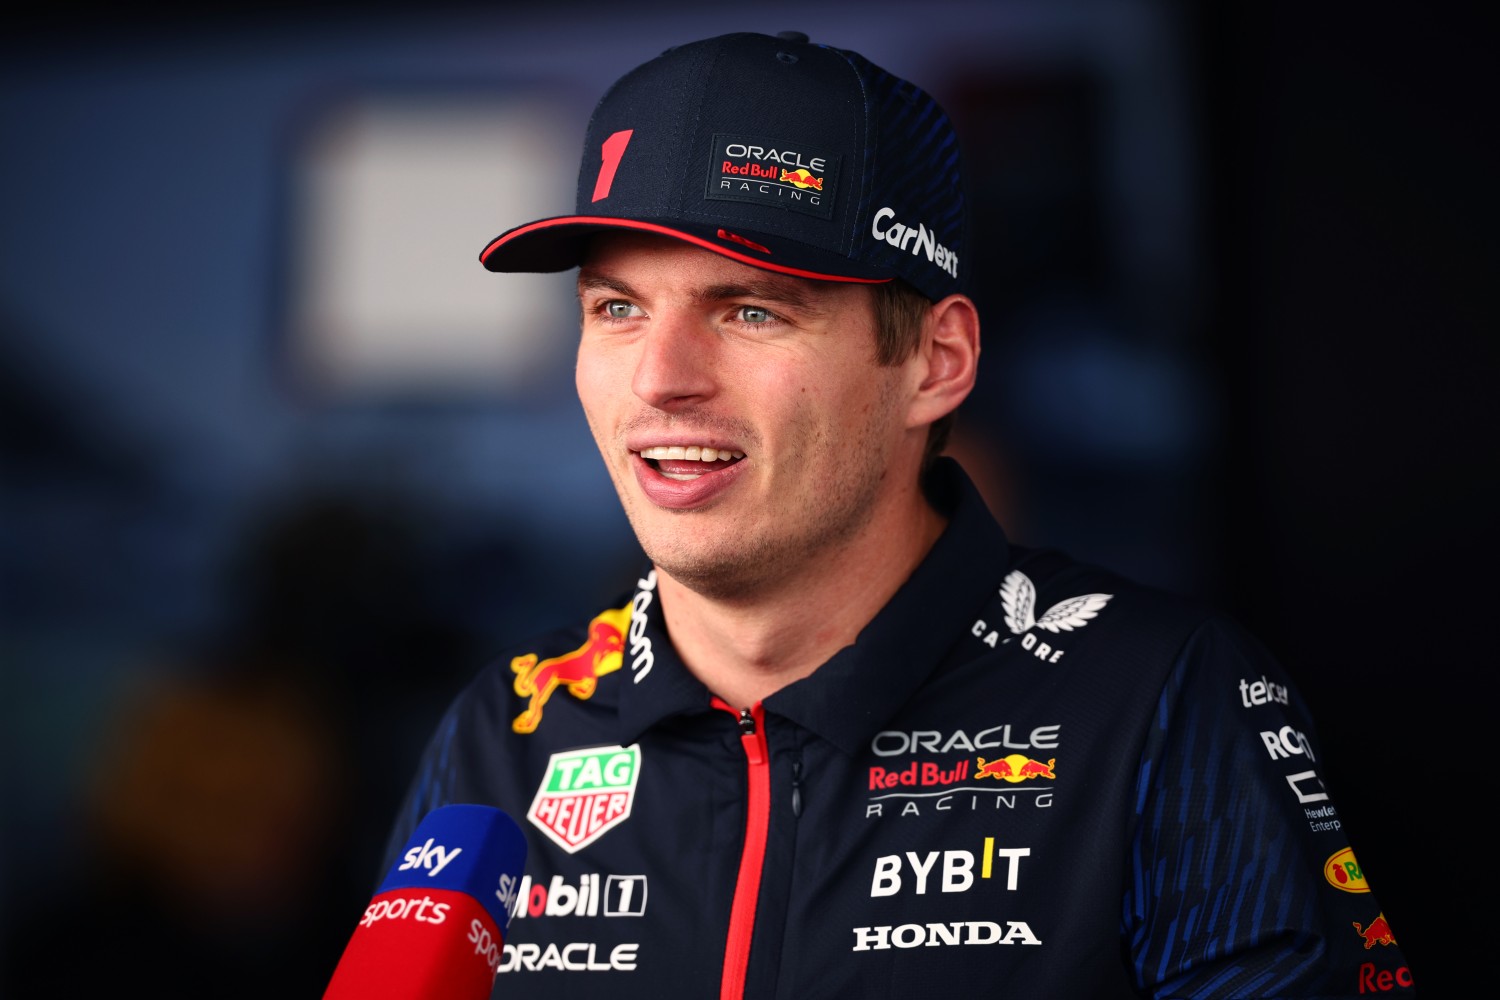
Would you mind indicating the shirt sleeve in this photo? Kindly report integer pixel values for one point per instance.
(1243, 880)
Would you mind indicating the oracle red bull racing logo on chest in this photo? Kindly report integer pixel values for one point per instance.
(578, 671)
(937, 786)
(585, 794)
(783, 174)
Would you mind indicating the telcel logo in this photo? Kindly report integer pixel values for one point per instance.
(1263, 692)
(957, 869)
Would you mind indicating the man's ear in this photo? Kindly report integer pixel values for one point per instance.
(948, 360)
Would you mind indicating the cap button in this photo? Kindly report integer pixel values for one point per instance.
(792, 36)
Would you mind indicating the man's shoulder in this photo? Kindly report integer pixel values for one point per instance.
(1108, 620)
(1129, 620)
(1060, 588)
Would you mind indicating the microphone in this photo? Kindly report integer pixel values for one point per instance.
(436, 926)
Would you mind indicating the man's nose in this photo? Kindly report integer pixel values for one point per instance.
(676, 366)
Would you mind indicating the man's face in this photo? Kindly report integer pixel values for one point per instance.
(741, 413)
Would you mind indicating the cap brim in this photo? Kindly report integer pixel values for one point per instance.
(559, 243)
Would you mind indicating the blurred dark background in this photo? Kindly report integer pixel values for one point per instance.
(283, 464)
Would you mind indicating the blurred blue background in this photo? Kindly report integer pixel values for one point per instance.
(283, 465)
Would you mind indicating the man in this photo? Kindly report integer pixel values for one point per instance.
(842, 739)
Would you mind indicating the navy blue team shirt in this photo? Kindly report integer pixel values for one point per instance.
(1025, 778)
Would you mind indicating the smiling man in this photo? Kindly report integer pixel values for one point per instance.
(805, 517)
(841, 738)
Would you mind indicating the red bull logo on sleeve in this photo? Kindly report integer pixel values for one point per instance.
(1379, 932)
(585, 794)
(577, 671)
(1375, 980)
(1015, 768)
(1343, 872)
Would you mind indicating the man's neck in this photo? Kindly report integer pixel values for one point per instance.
(746, 649)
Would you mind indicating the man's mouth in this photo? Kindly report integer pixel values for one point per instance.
(683, 463)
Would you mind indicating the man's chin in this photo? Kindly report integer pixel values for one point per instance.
(719, 571)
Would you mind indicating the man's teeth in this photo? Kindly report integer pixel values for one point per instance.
(693, 454)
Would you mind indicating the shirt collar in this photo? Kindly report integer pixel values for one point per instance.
(848, 698)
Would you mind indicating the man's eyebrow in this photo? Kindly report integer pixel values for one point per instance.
(784, 293)
(780, 292)
(595, 282)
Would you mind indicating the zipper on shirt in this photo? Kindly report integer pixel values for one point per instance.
(752, 725)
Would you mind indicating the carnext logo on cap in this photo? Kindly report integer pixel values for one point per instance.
(915, 239)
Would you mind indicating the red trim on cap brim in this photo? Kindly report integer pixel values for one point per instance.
(652, 227)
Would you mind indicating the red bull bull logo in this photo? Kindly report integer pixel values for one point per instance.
(1379, 932)
(1015, 768)
(578, 671)
(802, 179)
(1343, 872)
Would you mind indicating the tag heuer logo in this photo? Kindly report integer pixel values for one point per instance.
(1018, 597)
(584, 794)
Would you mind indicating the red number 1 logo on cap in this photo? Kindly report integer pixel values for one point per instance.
(610, 153)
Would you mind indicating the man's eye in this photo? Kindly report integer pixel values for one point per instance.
(755, 314)
(615, 309)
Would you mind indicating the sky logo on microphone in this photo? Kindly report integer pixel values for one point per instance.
(430, 855)
(436, 926)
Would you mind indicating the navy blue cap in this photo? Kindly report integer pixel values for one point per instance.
(775, 152)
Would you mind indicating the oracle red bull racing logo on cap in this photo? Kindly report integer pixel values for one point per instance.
(578, 671)
(1343, 872)
(585, 794)
(784, 174)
